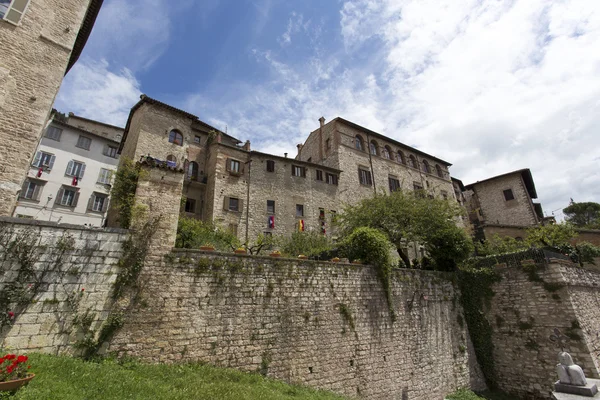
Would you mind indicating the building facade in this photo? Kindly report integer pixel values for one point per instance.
(41, 40)
(70, 176)
(253, 193)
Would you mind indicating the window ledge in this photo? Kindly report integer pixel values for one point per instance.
(29, 200)
(235, 173)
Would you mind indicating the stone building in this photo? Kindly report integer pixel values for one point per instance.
(41, 40)
(70, 177)
(503, 205)
(253, 193)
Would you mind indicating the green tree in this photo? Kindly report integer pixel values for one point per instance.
(409, 217)
(555, 235)
(193, 233)
(122, 193)
(306, 243)
(583, 215)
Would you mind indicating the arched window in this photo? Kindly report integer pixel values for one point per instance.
(192, 171)
(387, 151)
(358, 143)
(412, 161)
(400, 157)
(176, 137)
(426, 167)
(439, 171)
(374, 148)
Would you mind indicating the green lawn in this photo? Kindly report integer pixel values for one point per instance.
(68, 378)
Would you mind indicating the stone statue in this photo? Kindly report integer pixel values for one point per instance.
(569, 373)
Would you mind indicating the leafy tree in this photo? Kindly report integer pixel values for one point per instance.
(583, 215)
(263, 242)
(306, 243)
(500, 245)
(409, 217)
(193, 233)
(122, 193)
(554, 235)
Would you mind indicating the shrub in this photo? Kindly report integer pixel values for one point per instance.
(193, 233)
(307, 243)
(13, 367)
(123, 190)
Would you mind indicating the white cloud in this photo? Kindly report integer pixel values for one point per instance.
(93, 91)
(490, 86)
(295, 25)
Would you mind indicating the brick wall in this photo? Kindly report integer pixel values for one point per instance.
(33, 59)
(45, 323)
(283, 317)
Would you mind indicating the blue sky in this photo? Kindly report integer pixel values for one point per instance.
(489, 85)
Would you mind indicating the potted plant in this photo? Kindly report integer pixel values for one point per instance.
(207, 247)
(240, 250)
(335, 259)
(13, 372)
(275, 253)
(302, 257)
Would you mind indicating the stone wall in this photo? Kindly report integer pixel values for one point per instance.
(68, 260)
(33, 59)
(322, 324)
(529, 303)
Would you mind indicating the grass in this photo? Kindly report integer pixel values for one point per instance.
(465, 394)
(69, 378)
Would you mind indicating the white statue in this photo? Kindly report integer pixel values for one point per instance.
(568, 372)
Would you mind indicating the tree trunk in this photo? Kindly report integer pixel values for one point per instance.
(403, 256)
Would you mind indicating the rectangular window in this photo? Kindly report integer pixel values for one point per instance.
(331, 179)
(333, 215)
(364, 177)
(197, 139)
(13, 11)
(105, 176)
(327, 145)
(68, 198)
(75, 168)
(319, 175)
(234, 204)
(52, 132)
(234, 166)
(321, 213)
(190, 205)
(110, 151)
(84, 142)
(43, 159)
(299, 210)
(31, 190)
(394, 183)
(417, 186)
(271, 206)
(99, 202)
(298, 171)
(508, 195)
(270, 166)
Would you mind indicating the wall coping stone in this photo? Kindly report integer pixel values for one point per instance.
(53, 224)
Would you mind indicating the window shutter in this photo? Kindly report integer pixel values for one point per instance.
(24, 189)
(51, 164)
(91, 202)
(105, 205)
(16, 11)
(359, 177)
(228, 165)
(81, 171)
(37, 159)
(226, 203)
(105, 151)
(240, 205)
(70, 168)
(242, 165)
(59, 195)
(303, 172)
(36, 192)
(75, 199)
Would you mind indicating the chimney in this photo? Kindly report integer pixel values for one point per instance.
(322, 121)
(247, 145)
(285, 155)
(299, 146)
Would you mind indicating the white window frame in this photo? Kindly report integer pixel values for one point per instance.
(79, 174)
(10, 8)
(72, 199)
(235, 166)
(53, 129)
(98, 200)
(82, 147)
(39, 158)
(105, 176)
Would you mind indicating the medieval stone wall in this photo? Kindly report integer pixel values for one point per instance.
(321, 324)
(529, 303)
(33, 59)
(69, 261)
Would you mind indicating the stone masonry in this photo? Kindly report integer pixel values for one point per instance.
(33, 59)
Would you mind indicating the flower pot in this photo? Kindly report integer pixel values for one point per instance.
(14, 385)
(207, 248)
(275, 254)
(335, 259)
(240, 251)
(302, 257)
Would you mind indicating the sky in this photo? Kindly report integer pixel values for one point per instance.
(490, 86)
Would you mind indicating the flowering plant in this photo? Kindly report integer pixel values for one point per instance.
(13, 367)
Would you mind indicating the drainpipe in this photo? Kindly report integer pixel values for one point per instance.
(248, 199)
(371, 163)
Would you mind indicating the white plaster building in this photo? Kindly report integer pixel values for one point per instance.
(71, 174)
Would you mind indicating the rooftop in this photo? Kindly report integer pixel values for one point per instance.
(525, 174)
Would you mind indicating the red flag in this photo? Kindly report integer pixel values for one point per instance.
(74, 183)
(271, 221)
(39, 173)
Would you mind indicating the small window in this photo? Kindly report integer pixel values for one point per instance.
(84, 142)
(13, 11)
(176, 137)
(75, 168)
(426, 167)
(299, 210)
(105, 176)
(52, 132)
(333, 216)
(400, 157)
(358, 143)
(190, 205)
(508, 195)
(321, 213)
(364, 177)
(298, 171)
(110, 151)
(412, 161)
(387, 152)
(439, 171)
(327, 145)
(44, 160)
(234, 204)
(374, 148)
(98, 203)
(270, 166)
(319, 175)
(234, 166)
(197, 139)
(394, 183)
(31, 190)
(271, 206)
(67, 196)
(417, 186)
(331, 179)
(192, 171)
